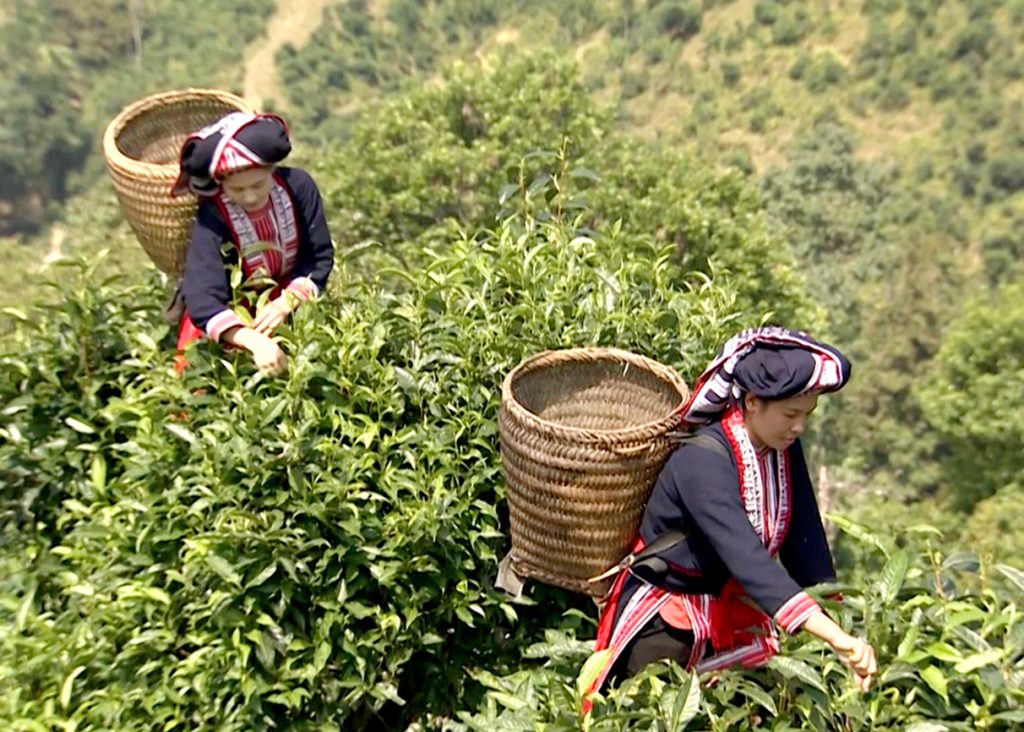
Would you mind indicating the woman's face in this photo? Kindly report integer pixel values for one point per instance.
(777, 424)
(250, 188)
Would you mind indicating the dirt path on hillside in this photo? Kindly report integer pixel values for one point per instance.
(293, 22)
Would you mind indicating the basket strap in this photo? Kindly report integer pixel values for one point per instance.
(508, 579)
(700, 439)
(647, 557)
(174, 310)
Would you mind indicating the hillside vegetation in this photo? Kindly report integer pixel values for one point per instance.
(886, 137)
(225, 551)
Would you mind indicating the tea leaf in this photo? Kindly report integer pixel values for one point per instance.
(927, 727)
(181, 432)
(891, 580)
(79, 425)
(795, 669)
(67, 688)
(223, 568)
(591, 670)
(979, 660)
(936, 680)
(857, 532)
(1013, 574)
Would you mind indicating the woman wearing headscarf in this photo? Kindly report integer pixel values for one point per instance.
(272, 217)
(732, 530)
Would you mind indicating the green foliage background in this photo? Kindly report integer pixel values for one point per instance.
(232, 553)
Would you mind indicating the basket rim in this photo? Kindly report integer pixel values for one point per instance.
(627, 435)
(115, 157)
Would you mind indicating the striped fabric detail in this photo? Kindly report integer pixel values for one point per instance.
(304, 288)
(764, 484)
(749, 656)
(276, 224)
(795, 612)
(227, 127)
(643, 605)
(716, 386)
(220, 323)
(766, 493)
(231, 156)
(265, 226)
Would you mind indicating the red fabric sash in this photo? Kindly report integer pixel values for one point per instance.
(738, 630)
(735, 620)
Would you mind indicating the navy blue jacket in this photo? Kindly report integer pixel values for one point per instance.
(206, 284)
(698, 491)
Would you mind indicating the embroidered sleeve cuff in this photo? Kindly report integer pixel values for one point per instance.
(794, 613)
(220, 323)
(304, 288)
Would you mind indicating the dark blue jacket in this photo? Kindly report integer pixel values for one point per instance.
(698, 491)
(206, 284)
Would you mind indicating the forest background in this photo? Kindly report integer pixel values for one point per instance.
(854, 168)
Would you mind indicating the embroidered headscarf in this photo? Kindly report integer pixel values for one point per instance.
(770, 363)
(235, 142)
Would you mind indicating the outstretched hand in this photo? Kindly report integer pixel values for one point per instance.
(269, 357)
(855, 652)
(859, 656)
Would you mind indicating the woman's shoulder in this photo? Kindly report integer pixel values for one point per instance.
(209, 215)
(298, 179)
(704, 450)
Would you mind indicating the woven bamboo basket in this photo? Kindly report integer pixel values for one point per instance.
(142, 144)
(584, 433)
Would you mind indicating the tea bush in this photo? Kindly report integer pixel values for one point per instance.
(524, 138)
(317, 551)
(951, 657)
(311, 552)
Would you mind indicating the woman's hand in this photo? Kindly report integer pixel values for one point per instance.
(858, 655)
(265, 352)
(272, 315)
(854, 652)
(268, 356)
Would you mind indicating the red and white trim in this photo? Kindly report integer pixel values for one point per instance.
(232, 156)
(221, 323)
(304, 288)
(766, 493)
(756, 653)
(643, 605)
(279, 224)
(765, 487)
(795, 612)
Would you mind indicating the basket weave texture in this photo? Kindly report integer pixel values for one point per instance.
(584, 433)
(142, 144)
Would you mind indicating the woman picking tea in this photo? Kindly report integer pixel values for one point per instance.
(272, 220)
(746, 535)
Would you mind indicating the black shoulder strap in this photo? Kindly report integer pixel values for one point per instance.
(701, 439)
(670, 538)
(647, 559)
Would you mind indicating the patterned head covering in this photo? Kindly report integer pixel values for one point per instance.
(236, 142)
(770, 363)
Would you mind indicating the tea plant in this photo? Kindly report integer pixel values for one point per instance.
(950, 658)
(317, 551)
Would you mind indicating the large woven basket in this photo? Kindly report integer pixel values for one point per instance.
(142, 145)
(584, 433)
